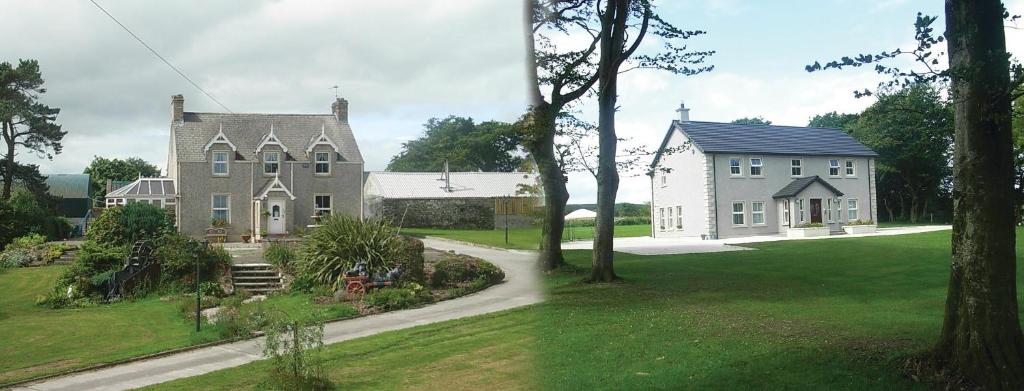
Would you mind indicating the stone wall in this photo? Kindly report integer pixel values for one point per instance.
(462, 213)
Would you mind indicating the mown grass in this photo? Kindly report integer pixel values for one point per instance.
(37, 341)
(521, 238)
(840, 314)
(493, 352)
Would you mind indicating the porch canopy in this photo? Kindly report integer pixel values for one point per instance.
(797, 186)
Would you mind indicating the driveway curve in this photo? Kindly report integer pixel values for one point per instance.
(521, 287)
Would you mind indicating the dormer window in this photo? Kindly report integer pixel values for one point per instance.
(322, 164)
(220, 163)
(271, 162)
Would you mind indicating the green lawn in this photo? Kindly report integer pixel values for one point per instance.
(37, 341)
(822, 314)
(521, 238)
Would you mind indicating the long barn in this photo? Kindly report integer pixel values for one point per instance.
(465, 200)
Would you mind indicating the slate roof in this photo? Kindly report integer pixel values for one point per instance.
(146, 188)
(246, 130)
(68, 185)
(425, 185)
(798, 185)
(717, 137)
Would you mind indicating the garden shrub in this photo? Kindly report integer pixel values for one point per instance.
(407, 253)
(302, 283)
(178, 255)
(15, 257)
(126, 224)
(31, 213)
(280, 255)
(457, 269)
(187, 304)
(93, 262)
(339, 243)
(390, 299)
(27, 242)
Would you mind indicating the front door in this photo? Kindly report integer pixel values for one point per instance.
(815, 210)
(275, 223)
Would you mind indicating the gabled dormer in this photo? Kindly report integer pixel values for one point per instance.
(322, 152)
(218, 153)
(271, 151)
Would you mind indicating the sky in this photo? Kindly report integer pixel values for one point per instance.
(400, 63)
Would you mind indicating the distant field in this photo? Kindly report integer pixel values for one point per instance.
(521, 238)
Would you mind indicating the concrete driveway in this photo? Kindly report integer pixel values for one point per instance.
(521, 287)
(668, 246)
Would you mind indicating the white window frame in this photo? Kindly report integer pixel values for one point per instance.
(828, 209)
(226, 162)
(759, 166)
(670, 226)
(799, 168)
(738, 167)
(317, 162)
(786, 217)
(226, 209)
(329, 209)
(276, 162)
(679, 217)
(754, 213)
(742, 213)
(664, 179)
(800, 210)
(661, 218)
(831, 167)
(852, 209)
(850, 168)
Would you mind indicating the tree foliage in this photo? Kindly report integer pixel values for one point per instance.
(101, 169)
(833, 120)
(759, 120)
(26, 123)
(490, 146)
(912, 132)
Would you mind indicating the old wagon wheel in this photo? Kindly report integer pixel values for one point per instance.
(355, 288)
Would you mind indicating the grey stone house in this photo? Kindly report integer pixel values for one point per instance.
(467, 200)
(262, 173)
(726, 180)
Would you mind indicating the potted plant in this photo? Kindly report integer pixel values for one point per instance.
(860, 227)
(218, 231)
(247, 235)
(807, 230)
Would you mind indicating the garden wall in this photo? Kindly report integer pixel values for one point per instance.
(461, 213)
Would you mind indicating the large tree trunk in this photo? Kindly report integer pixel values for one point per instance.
(613, 36)
(542, 148)
(8, 131)
(981, 336)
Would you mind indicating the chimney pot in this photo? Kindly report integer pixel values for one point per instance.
(177, 108)
(340, 109)
(684, 113)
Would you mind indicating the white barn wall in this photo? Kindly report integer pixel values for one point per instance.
(686, 186)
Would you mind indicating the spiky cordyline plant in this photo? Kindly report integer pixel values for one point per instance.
(340, 242)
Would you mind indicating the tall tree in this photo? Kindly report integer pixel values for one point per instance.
(26, 123)
(490, 146)
(102, 169)
(981, 338)
(759, 120)
(912, 131)
(624, 24)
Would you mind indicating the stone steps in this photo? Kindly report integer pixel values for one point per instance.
(256, 277)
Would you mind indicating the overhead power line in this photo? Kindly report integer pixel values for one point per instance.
(182, 74)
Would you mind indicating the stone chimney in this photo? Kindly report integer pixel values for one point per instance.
(684, 113)
(177, 109)
(340, 109)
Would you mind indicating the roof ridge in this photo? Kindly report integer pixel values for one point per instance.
(769, 125)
